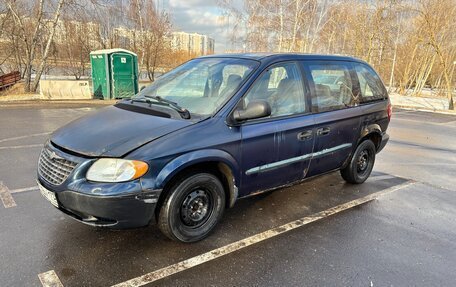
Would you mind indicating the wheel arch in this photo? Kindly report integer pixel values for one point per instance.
(371, 132)
(217, 162)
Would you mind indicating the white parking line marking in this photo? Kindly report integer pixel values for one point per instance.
(235, 246)
(24, 137)
(24, 189)
(374, 178)
(20, 146)
(5, 196)
(50, 279)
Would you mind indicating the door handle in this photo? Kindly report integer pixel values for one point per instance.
(305, 135)
(323, 131)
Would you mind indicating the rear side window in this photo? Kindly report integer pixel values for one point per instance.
(333, 87)
(371, 86)
(282, 87)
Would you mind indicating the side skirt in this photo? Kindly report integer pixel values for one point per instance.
(288, 184)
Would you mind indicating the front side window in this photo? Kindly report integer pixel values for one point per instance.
(282, 87)
(333, 87)
(371, 86)
(201, 85)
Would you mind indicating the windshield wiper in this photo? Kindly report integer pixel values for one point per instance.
(184, 113)
(138, 100)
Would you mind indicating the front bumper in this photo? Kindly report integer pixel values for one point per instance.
(116, 205)
(119, 212)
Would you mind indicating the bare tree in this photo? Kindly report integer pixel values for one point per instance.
(77, 43)
(45, 54)
(155, 43)
(438, 22)
(31, 28)
(411, 43)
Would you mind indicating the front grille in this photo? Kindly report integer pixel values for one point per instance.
(53, 168)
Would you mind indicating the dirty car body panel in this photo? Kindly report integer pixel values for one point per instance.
(250, 156)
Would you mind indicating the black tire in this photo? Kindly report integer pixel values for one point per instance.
(192, 208)
(361, 163)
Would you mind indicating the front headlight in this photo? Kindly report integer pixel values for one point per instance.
(116, 170)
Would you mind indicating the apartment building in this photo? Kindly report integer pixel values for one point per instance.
(193, 43)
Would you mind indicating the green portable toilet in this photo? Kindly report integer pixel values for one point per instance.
(114, 73)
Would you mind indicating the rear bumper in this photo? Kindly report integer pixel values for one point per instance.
(385, 139)
(119, 212)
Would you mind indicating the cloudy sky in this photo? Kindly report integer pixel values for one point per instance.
(201, 16)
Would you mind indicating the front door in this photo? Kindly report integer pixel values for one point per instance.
(277, 150)
(337, 115)
(123, 76)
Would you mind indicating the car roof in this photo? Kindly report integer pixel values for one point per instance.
(272, 57)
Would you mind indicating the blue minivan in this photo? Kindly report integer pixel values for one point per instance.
(211, 131)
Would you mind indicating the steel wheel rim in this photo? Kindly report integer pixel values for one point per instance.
(196, 208)
(363, 162)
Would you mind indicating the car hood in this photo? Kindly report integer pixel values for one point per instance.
(113, 132)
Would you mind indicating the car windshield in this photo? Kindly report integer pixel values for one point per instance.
(202, 85)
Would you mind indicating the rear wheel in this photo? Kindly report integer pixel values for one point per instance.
(361, 163)
(192, 208)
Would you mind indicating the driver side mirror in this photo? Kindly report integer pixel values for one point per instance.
(254, 110)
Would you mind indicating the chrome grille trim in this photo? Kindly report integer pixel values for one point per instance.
(53, 168)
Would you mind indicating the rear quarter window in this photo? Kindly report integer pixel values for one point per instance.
(333, 86)
(371, 87)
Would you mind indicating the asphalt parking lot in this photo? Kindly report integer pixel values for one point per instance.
(397, 229)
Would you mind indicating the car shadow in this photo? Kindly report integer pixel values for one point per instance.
(84, 255)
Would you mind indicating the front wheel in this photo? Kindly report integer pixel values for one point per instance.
(192, 208)
(361, 163)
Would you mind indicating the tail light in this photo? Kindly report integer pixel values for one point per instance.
(390, 111)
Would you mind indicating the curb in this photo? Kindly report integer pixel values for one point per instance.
(56, 103)
(445, 112)
(97, 102)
